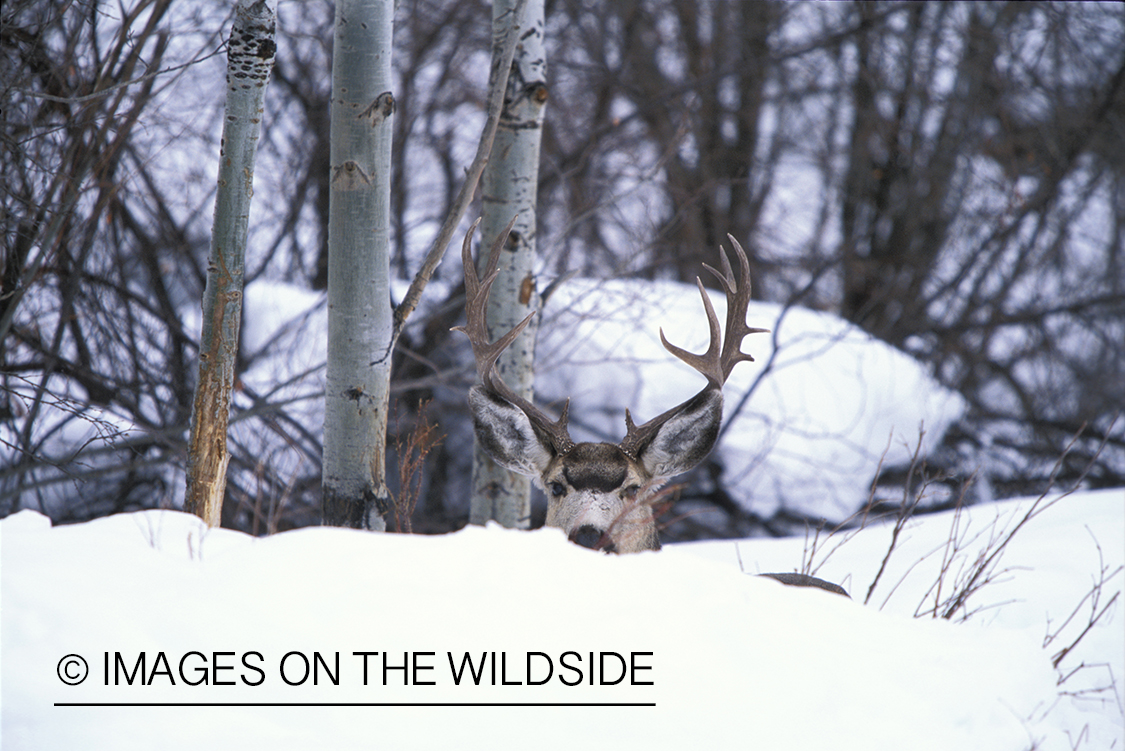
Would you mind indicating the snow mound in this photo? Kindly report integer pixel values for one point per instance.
(805, 425)
(654, 650)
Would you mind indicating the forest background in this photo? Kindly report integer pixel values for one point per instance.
(946, 176)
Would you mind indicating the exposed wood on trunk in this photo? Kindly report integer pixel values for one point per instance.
(249, 62)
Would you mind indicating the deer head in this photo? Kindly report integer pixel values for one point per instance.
(601, 494)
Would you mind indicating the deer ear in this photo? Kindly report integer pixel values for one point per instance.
(507, 435)
(686, 438)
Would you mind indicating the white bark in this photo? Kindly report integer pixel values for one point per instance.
(249, 62)
(509, 189)
(360, 324)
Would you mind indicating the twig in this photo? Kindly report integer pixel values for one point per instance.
(808, 554)
(412, 452)
(498, 86)
(79, 99)
(1094, 597)
(1061, 654)
(905, 511)
(983, 570)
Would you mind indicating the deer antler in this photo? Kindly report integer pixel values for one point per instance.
(721, 355)
(486, 354)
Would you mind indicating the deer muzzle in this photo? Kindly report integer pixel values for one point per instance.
(589, 536)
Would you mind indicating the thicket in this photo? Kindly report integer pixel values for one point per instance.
(948, 176)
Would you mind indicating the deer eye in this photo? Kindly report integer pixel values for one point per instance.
(631, 492)
(557, 489)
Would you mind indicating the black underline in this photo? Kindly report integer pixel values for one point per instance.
(357, 704)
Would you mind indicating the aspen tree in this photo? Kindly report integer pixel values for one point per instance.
(250, 55)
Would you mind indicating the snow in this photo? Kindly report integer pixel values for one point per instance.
(733, 660)
(825, 402)
(720, 659)
(805, 427)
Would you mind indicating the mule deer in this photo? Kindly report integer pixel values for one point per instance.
(601, 494)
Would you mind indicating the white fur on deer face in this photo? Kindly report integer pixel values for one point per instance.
(599, 496)
(598, 493)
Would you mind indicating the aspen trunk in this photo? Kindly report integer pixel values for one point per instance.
(360, 325)
(509, 189)
(249, 63)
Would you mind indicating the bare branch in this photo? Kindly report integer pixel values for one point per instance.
(498, 85)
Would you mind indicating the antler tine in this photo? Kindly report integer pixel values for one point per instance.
(710, 362)
(723, 352)
(485, 353)
(476, 305)
(738, 301)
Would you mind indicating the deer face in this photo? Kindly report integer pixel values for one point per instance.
(594, 494)
(601, 494)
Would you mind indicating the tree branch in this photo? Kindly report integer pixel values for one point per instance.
(497, 86)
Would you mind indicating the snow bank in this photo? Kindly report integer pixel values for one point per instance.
(711, 657)
(805, 425)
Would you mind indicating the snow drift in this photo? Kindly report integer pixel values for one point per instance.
(263, 643)
(805, 426)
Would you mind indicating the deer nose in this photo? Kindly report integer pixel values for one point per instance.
(589, 536)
